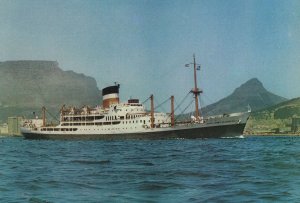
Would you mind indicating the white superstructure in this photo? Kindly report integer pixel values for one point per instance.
(126, 117)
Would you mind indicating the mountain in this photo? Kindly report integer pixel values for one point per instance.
(277, 118)
(26, 86)
(251, 93)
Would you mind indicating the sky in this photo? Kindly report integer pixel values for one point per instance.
(145, 44)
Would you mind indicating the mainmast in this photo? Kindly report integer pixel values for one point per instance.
(196, 91)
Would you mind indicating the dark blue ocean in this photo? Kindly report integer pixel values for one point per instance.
(251, 169)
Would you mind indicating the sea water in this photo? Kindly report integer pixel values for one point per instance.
(250, 169)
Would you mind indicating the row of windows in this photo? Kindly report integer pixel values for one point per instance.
(59, 129)
(75, 129)
(139, 109)
(133, 116)
(97, 123)
(109, 118)
(131, 128)
(83, 118)
(141, 121)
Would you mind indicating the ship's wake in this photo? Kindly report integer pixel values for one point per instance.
(234, 137)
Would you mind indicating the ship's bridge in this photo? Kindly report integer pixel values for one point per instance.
(127, 108)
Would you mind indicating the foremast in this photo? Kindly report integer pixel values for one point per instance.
(43, 116)
(152, 112)
(172, 112)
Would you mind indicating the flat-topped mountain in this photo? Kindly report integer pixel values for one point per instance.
(29, 85)
(251, 93)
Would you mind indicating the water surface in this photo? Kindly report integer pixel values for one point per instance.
(253, 169)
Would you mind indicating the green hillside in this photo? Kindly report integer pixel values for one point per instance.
(277, 118)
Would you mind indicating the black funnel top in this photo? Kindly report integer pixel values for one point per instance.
(111, 90)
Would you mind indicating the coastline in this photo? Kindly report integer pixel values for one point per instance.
(272, 134)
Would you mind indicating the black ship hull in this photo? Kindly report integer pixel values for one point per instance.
(213, 131)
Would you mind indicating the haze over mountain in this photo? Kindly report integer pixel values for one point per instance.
(26, 86)
(251, 93)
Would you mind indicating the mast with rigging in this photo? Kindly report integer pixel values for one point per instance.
(196, 91)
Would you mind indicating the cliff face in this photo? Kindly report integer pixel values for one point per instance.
(250, 93)
(29, 85)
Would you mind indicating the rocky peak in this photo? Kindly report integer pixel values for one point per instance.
(252, 86)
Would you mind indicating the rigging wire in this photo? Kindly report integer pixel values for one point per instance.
(58, 113)
(161, 104)
(178, 106)
(205, 105)
(52, 115)
(181, 114)
(156, 102)
(146, 100)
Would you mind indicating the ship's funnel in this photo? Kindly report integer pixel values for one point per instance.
(110, 95)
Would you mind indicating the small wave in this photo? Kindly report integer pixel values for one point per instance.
(37, 200)
(147, 164)
(91, 161)
(2, 189)
(152, 186)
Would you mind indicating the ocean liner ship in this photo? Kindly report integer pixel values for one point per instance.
(131, 120)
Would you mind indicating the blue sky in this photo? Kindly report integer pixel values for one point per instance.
(144, 44)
